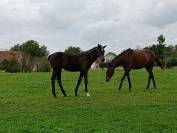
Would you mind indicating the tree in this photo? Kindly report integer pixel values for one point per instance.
(159, 48)
(167, 53)
(73, 50)
(43, 51)
(30, 50)
(16, 47)
(161, 39)
(13, 65)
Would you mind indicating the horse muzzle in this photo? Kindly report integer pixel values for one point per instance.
(102, 60)
(107, 79)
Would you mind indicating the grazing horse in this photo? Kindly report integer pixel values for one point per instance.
(78, 62)
(133, 59)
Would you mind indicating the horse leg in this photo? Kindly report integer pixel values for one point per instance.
(129, 81)
(54, 75)
(78, 83)
(149, 79)
(59, 82)
(86, 82)
(149, 69)
(153, 80)
(122, 80)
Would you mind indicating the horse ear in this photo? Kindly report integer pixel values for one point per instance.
(99, 45)
(105, 46)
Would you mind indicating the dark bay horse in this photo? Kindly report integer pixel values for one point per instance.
(133, 59)
(78, 62)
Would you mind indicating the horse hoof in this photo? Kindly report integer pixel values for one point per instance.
(88, 95)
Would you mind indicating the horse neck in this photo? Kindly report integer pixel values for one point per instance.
(92, 55)
(117, 62)
(122, 58)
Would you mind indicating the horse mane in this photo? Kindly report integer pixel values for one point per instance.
(125, 51)
(90, 50)
(122, 53)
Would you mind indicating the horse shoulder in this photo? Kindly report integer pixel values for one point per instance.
(85, 62)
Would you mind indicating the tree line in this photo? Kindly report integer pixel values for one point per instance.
(34, 55)
(167, 53)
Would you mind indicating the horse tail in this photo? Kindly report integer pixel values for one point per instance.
(159, 63)
(49, 57)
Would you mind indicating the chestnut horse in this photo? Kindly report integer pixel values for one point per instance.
(78, 62)
(133, 59)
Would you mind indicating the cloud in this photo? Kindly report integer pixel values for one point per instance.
(58, 24)
(161, 13)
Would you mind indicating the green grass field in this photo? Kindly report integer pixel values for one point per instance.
(27, 105)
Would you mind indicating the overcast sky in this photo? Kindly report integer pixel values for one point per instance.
(120, 24)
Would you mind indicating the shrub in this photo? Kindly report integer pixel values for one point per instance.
(171, 61)
(42, 64)
(45, 68)
(13, 65)
(4, 64)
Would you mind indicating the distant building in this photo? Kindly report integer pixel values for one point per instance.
(109, 57)
(7, 55)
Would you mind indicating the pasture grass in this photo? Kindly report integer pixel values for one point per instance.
(27, 105)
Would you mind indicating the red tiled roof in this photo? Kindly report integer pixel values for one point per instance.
(9, 54)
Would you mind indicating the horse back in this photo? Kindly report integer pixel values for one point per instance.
(68, 62)
(142, 58)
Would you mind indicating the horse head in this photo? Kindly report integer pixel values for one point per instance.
(100, 52)
(110, 71)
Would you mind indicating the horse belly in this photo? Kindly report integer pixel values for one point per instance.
(139, 64)
(71, 68)
(141, 59)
